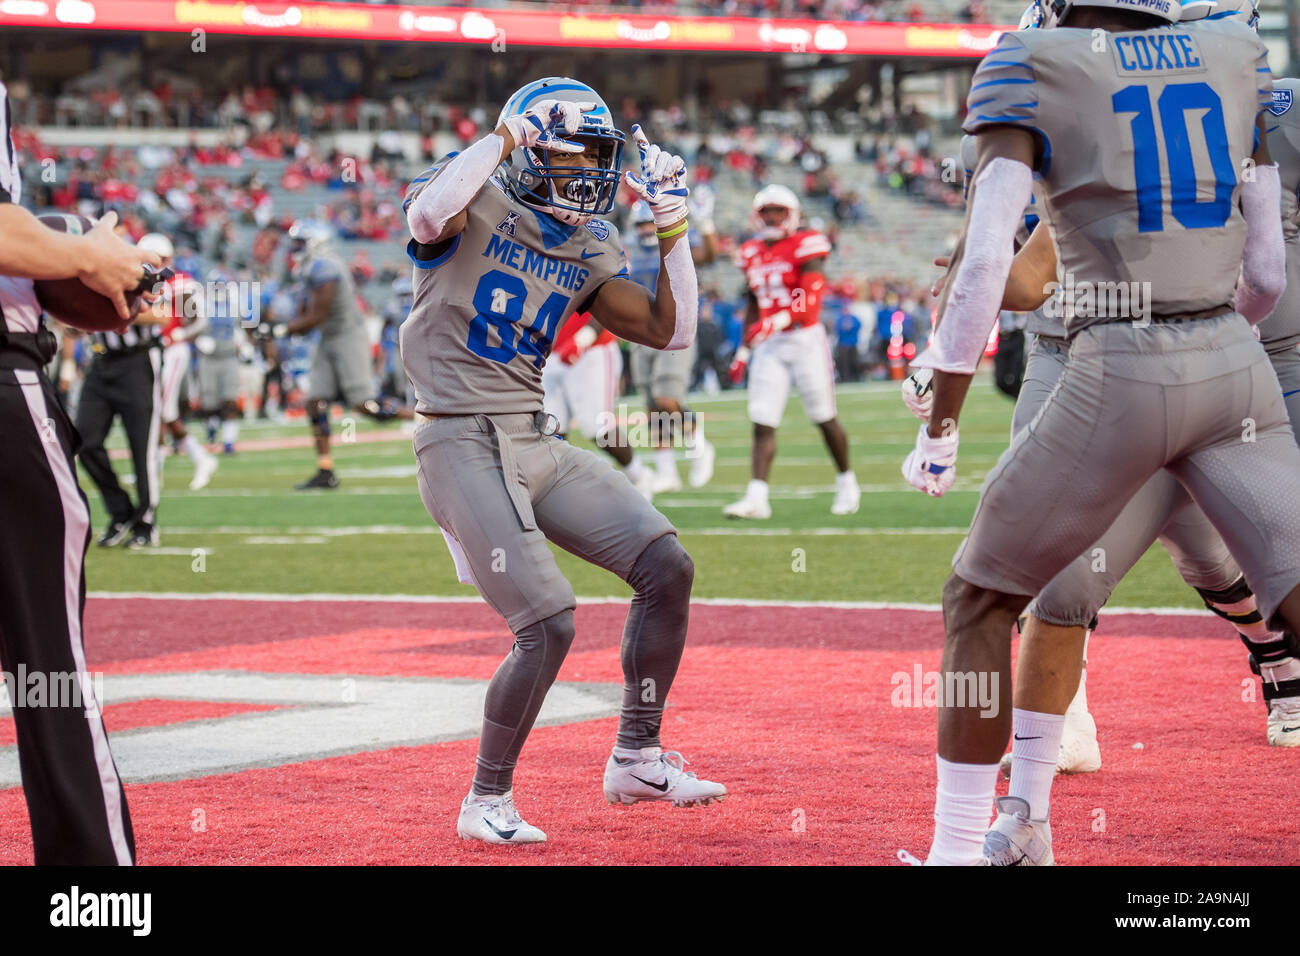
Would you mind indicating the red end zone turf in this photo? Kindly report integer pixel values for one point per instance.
(794, 709)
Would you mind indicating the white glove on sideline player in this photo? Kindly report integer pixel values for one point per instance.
(931, 466)
(918, 393)
(662, 181)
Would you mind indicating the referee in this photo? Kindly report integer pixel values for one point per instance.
(74, 797)
(124, 380)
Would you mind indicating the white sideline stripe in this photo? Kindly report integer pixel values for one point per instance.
(443, 599)
(76, 522)
(739, 530)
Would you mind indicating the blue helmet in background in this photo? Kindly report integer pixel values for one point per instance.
(572, 194)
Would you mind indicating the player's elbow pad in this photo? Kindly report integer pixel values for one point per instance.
(453, 189)
(684, 288)
(1263, 261)
(1001, 192)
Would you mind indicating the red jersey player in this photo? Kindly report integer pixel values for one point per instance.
(181, 308)
(581, 384)
(785, 344)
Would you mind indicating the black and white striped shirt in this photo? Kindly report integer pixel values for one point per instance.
(19, 311)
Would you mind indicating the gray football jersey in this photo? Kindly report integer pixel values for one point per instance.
(344, 316)
(1281, 330)
(1142, 140)
(487, 308)
(1040, 321)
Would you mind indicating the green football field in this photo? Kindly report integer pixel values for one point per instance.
(250, 532)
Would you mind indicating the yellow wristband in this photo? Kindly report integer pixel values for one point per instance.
(675, 231)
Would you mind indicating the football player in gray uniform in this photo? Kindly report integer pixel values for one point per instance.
(1164, 371)
(506, 244)
(341, 367)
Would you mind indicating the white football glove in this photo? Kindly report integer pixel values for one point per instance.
(661, 182)
(931, 466)
(918, 393)
(539, 125)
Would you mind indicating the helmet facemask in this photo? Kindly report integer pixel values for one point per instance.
(570, 192)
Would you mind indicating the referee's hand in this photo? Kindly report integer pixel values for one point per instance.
(113, 267)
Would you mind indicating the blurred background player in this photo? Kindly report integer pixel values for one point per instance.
(666, 376)
(784, 344)
(181, 306)
(219, 348)
(580, 385)
(341, 366)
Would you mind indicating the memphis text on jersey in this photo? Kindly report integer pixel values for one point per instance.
(509, 253)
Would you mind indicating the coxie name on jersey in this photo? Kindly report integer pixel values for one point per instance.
(509, 253)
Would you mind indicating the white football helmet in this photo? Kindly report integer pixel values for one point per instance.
(1054, 11)
(157, 242)
(776, 195)
(1247, 11)
(638, 216)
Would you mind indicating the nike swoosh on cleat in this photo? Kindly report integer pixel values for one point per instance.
(503, 834)
(1288, 730)
(591, 255)
(1018, 737)
(661, 787)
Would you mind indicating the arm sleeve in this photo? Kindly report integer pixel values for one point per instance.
(1263, 261)
(447, 188)
(974, 301)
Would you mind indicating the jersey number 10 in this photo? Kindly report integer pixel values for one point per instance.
(1174, 103)
(499, 302)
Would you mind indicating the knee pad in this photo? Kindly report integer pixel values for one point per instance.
(1232, 595)
(319, 413)
(664, 566)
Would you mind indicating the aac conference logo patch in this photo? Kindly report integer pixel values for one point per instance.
(1282, 100)
(599, 228)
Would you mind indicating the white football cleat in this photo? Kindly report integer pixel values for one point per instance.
(1015, 840)
(665, 484)
(645, 485)
(1284, 722)
(204, 469)
(846, 500)
(494, 819)
(748, 508)
(702, 464)
(658, 775)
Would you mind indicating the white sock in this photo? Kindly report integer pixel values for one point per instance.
(1035, 747)
(846, 479)
(622, 753)
(634, 470)
(1079, 705)
(963, 808)
(757, 490)
(230, 431)
(666, 461)
(190, 445)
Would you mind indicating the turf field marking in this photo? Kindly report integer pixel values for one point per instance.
(443, 599)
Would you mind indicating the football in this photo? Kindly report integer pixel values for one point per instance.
(70, 300)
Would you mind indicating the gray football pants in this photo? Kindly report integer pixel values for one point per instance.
(1199, 399)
